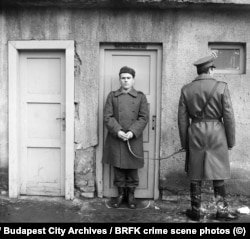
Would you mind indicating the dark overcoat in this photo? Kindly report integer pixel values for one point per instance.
(207, 141)
(127, 112)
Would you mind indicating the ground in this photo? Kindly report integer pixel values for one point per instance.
(97, 210)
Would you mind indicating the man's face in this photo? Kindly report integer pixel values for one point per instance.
(126, 81)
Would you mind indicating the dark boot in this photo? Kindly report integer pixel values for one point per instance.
(223, 211)
(131, 198)
(120, 198)
(195, 193)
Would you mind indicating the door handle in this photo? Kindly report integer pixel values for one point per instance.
(60, 118)
(153, 122)
(63, 123)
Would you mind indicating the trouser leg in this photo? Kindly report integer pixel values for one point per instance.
(223, 211)
(119, 177)
(120, 182)
(126, 180)
(195, 194)
(132, 182)
(132, 178)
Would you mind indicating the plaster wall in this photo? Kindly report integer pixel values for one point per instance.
(184, 35)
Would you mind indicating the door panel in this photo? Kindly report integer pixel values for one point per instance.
(145, 64)
(44, 173)
(42, 123)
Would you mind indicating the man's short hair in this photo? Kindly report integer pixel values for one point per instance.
(203, 70)
(204, 64)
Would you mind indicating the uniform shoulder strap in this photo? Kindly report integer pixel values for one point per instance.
(210, 96)
(200, 114)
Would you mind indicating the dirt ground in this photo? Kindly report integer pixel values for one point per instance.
(96, 210)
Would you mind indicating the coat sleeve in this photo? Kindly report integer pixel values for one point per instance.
(139, 125)
(109, 118)
(228, 118)
(183, 121)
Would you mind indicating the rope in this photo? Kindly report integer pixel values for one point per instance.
(137, 156)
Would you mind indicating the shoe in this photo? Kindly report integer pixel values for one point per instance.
(120, 198)
(132, 205)
(131, 198)
(223, 211)
(195, 194)
(226, 215)
(195, 216)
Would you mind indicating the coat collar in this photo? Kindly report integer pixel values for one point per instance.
(132, 92)
(204, 77)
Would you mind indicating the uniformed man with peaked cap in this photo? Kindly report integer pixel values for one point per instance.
(207, 134)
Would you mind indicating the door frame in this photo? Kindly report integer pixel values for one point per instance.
(99, 150)
(14, 48)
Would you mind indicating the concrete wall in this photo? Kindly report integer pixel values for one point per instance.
(184, 35)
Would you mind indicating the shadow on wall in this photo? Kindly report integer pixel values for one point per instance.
(3, 179)
(175, 182)
(240, 173)
(179, 183)
(239, 182)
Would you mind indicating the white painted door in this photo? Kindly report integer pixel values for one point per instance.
(42, 122)
(145, 62)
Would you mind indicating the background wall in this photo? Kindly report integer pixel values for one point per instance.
(184, 34)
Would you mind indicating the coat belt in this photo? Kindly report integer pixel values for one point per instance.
(196, 120)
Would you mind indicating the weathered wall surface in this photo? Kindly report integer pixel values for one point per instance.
(195, 30)
(184, 35)
(3, 109)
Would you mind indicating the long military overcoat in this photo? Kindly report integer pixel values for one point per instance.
(207, 141)
(127, 112)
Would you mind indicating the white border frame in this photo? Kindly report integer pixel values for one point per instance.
(14, 47)
(99, 150)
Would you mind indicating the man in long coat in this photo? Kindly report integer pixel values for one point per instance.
(207, 135)
(125, 116)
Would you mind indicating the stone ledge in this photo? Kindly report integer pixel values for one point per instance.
(88, 195)
(3, 192)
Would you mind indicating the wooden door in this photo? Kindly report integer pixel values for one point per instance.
(145, 62)
(42, 123)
